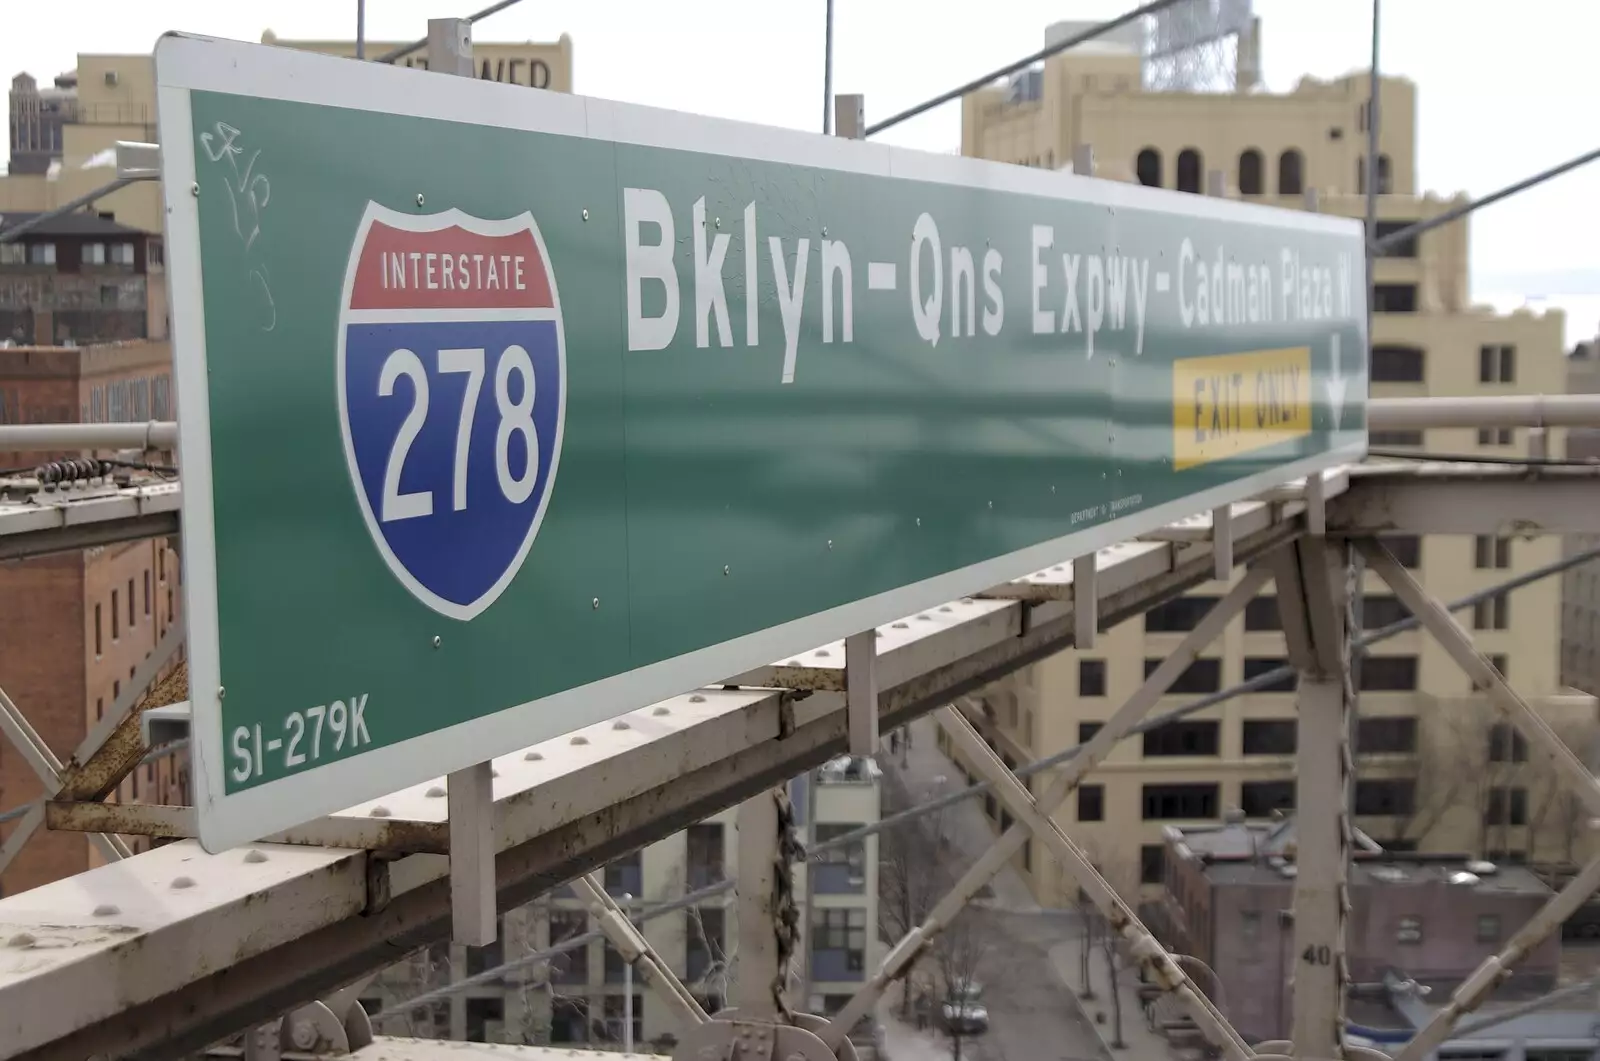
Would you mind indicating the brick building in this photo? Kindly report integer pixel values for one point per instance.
(80, 278)
(75, 625)
(1228, 896)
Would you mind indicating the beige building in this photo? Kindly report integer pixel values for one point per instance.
(1436, 774)
(68, 131)
(1580, 588)
(580, 996)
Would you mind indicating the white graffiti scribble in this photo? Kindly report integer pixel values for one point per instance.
(249, 192)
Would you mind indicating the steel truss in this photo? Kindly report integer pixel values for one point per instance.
(174, 949)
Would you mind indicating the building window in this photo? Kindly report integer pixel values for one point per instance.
(1382, 609)
(1495, 436)
(1497, 363)
(1489, 932)
(1182, 738)
(169, 604)
(1406, 549)
(1087, 730)
(1394, 298)
(1409, 930)
(116, 690)
(706, 846)
(1091, 803)
(1506, 806)
(1406, 248)
(1394, 438)
(116, 623)
(1291, 173)
(1389, 674)
(1397, 364)
(1269, 736)
(155, 251)
(842, 929)
(1172, 801)
(1250, 923)
(1259, 799)
(13, 254)
(573, 966)
(130, 604)
(1257, 666)
(1386, 735)
(122, 254)
(94, 254)
(99, 708)
(1492, 614)
(147, 591)
(1152, 863)
(161, 564)
(1506, 745)
(1091, 677)
(1491, 552)
(1498, 661)
(625, 876)
(1178, 615)
(1385, 176)
(569, 1019)
(1261, 615)
(1191, 170)
(840, 870)
(1201, 676)
(1148, 167)
(1251, 178)
(99, 647)
(41, 254)
(484, 1019)
(1386, 796)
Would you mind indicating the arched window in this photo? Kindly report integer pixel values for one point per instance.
(1148, 168)
(1385, 181)
(1291, 173)
(1190, 170)
(1250, 175)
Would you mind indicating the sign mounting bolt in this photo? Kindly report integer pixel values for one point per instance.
(437, 640)
(830, 543)
(726, 570)
(586, 213)
(717, 221)
(194, 189)
(419, 198)
(222, 690)
(595, 604)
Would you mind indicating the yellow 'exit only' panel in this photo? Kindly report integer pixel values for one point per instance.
(1231, 404)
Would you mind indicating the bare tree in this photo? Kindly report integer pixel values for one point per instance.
(911, 879)
(962, 957)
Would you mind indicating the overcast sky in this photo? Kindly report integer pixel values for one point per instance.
(1503, 91)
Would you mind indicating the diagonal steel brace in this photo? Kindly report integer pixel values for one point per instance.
(1010, 842)
(637, 950)
(1457, 643)
(16, 728)
(1143, 944)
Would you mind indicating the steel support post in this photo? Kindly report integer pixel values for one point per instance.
(861, 691)
(473, 912)
(766, 917)
(1010, 842)
(1142, 944)
(636, 950)
(1313, 578)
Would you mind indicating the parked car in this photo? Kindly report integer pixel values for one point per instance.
(963, 1010)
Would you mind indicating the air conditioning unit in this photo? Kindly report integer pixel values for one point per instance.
(111, 77)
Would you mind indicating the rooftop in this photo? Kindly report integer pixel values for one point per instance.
(74, 224)
(1241, 852)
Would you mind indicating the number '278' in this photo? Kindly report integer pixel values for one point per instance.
(516, 418)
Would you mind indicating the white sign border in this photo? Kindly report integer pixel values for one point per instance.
(187, 63)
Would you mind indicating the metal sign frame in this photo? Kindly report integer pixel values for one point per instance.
(1333, 414)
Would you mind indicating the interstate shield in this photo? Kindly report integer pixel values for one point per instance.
(452, 397)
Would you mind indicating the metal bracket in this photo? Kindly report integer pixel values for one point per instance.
(1316, 506)
(472, 891)
(1085, 602)
(729, 1038)
(861, 691)
(1222, 542)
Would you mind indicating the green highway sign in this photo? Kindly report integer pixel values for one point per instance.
(504, 413)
